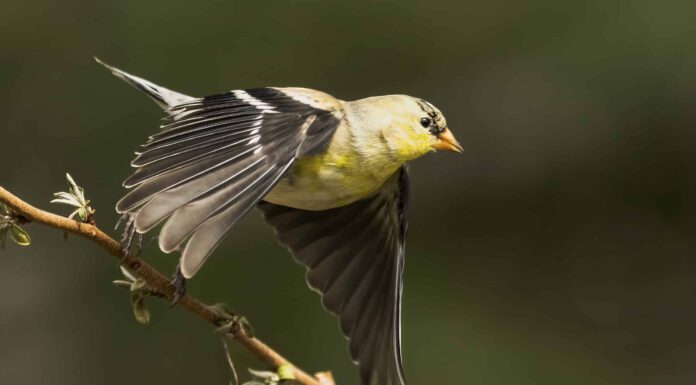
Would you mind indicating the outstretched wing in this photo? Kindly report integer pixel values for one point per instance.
(214, 159)
(355, 259)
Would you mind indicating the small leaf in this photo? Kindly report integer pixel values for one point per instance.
(72, 214)
(127, 274)
(65, 195)
(286, 372)
(66, 201)
(138, 285)
(71, 181)
(4, 210)
(222, 308)
(142, 315)
(75, 197)
(122, 284)
(246, 326)
(265, 375)
(19, 236)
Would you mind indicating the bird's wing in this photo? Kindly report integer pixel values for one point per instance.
(355, 259)
(214, 159)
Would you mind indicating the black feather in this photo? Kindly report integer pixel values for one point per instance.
(355, 257)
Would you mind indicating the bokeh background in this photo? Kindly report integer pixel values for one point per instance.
(559, 248)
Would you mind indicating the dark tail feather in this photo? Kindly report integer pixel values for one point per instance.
(164, 97)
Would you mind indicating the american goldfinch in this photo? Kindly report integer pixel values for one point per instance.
(329, 175)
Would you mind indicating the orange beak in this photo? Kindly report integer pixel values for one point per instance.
(447, 142)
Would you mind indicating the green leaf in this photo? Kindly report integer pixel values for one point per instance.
(285, 372)
(264, 375)
(70, 201)
(75, 197)
(72, 214)
(138, 285)
(19, 236)
(246, 326)
(122, 284)
(127, 274)
(4, 210)
(74, 188)
(142, 315)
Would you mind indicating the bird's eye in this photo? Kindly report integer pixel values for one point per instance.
(425, 122)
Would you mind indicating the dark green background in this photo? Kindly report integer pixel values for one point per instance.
(558, 249)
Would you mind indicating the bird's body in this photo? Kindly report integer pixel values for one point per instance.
(328, 175)
(354, 166)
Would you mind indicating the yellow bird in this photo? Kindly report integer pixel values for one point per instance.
(329, 175)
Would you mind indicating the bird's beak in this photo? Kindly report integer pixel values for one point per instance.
(447, 142)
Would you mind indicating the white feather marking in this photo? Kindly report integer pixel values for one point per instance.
(304, 99)
(255, 137)
(245, 97)
(308, 122)
(312, 98)
(180, 113)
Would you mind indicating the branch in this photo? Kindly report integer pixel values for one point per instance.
(155, 280)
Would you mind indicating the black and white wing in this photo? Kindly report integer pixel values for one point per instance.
(355, 259)
(214, 160)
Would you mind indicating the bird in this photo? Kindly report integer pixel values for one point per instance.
(330, 176)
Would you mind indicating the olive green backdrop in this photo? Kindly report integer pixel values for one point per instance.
(558, 249)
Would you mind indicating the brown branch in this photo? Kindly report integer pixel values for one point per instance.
(154, 279)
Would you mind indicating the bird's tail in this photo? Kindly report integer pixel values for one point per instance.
(164, 97)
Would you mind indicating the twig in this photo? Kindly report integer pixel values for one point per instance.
(154, 279)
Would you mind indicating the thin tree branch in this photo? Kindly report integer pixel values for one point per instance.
(154, 279)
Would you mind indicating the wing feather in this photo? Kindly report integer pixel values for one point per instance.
(185, 157)
(177, 146)
(213, 160)
(211, 232)
(208, 170)
(185, 220)
(354, 256)
(211, 125)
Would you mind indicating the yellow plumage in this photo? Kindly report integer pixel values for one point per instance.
(376, 137)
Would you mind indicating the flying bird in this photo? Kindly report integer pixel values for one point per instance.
(329, 175)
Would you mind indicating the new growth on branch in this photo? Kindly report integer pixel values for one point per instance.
(142, 280)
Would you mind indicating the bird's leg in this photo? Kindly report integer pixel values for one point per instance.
(129, 233)
(179, 284)
(138, 244)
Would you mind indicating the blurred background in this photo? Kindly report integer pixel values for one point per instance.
(559, 248)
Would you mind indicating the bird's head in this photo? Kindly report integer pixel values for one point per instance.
(409, 126)
(432, 120)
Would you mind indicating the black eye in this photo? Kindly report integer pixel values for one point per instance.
(426, 122)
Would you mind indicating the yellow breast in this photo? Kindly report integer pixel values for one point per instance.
(328, 180)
